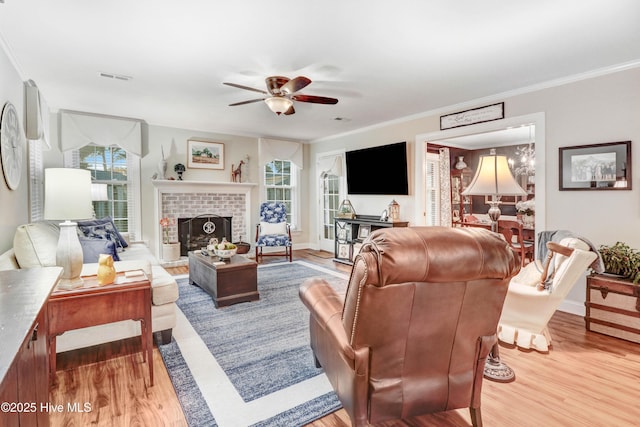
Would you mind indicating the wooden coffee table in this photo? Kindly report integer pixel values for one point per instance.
(228, 282)
(91, 305)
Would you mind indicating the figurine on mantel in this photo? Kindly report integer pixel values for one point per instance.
(162, 166)
(179, 169)
(236, 173)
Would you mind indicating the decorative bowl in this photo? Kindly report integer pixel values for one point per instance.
(226, 253)
(243, 247)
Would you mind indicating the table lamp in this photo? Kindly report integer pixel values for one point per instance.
(493, 178)
(67, 196)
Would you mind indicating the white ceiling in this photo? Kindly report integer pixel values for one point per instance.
(383, 60)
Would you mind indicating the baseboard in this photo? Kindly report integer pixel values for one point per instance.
(573, 307)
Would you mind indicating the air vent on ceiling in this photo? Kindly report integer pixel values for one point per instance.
(115, 76)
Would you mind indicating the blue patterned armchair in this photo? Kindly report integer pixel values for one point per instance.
(273, 230)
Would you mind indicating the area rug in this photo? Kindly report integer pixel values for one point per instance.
(250, 363)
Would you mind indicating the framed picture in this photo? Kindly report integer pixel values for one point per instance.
(364, 231)
(596, 167)
(343, 250)
(473, 116)
(205, 154)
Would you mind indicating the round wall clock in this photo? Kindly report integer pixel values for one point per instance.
(11, 140)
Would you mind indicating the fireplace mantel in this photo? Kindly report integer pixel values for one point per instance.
(174, 187)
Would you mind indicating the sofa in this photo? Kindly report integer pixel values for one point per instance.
(34, 245)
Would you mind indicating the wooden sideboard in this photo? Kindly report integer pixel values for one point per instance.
(24, 360)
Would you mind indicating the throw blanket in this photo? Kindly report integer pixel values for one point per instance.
(556, 236)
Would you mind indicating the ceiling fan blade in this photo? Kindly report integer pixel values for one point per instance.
(290, 111)
(314, 99)
(295, 85)
(246, 102)
(245, 87)
(274, 83)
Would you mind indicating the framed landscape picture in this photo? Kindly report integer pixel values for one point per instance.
(205, 154)
(596, 167)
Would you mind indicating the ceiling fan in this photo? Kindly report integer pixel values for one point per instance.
(281, 92)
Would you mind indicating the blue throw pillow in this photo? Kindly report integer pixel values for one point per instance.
(92, 248)
(103, 228)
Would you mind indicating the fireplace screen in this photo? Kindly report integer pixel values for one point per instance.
(196, 232)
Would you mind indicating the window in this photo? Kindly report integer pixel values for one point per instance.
(330, 203)
(118, 169)
(432, 189)
(280, 181)
(36, 181)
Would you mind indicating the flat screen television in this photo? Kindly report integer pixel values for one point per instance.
(378, 170)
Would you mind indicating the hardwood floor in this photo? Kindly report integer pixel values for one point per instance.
(587, 379)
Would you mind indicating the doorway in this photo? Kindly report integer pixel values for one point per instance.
(331, 189)
(476, 137)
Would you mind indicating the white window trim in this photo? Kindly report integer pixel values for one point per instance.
(71, 159)
(295, 193)
(36, 180)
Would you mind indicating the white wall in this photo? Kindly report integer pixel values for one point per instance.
(174, 143)
(595, 110)
(15, 204)
(590, 111)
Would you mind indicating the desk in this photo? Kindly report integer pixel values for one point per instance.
(91, 305)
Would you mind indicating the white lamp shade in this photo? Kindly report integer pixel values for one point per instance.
(67, 194)
(279, 104)
(493, 177)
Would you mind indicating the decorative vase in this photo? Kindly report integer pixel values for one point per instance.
(162, 169)
(106, 271)
(528, 220)
(171, 251)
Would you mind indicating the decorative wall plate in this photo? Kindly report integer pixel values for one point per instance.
(11, 141)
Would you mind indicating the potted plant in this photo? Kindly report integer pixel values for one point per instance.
(621, 260)
(526, 211)
(170, 250)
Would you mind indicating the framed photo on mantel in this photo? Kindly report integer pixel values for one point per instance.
(596, 167)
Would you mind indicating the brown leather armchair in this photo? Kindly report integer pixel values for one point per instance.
(418, 320)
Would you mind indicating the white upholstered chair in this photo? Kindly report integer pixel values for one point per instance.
(529, 304)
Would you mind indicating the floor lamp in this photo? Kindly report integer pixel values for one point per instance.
(67, 196)
(493, 178)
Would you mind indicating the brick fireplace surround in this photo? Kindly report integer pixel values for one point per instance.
(186, 199)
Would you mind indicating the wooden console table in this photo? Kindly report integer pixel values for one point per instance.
(350, 233)
(91, 305)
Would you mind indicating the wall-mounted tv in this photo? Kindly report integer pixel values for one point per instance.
(378, 170)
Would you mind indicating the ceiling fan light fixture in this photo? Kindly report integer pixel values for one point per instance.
(278, 104)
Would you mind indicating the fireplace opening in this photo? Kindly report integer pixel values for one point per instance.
(195, 233)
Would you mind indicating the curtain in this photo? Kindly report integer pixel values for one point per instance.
(330, 165)
(80, 129)
(445, 187)
(272, 149)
